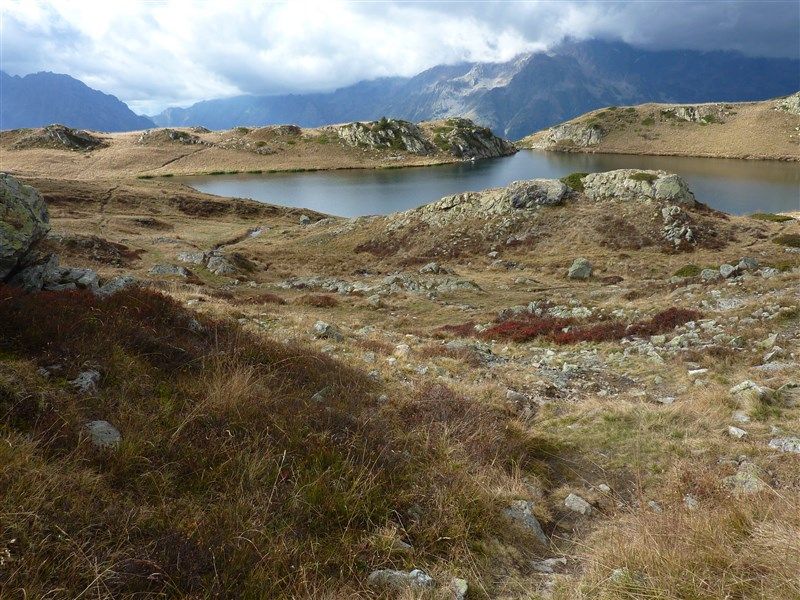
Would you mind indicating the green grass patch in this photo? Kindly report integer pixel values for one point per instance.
(574, 180)
(772, 217)
(688, 271)
(643, 176)
(649, 121)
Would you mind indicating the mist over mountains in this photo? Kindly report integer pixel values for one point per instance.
(514, 98)
(520, 96)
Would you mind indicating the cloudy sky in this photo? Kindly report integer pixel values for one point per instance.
(154, 54)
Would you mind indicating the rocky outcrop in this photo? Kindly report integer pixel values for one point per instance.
(23, 222)
(458, 137)
(789, 104)
(567, 136)
(632, 185)
(701, 113)
(60, 137)
(160, 136)
(463, 139)
(518, 196)
(393, 134)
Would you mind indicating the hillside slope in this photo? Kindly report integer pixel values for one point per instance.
(58, 151)
(755, 130)
(438, 404)
(520, 96)
(40, 99)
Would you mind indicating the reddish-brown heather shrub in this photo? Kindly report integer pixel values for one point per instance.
(462, 330)
(527, 329)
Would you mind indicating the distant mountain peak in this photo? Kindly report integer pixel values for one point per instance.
(43, 98)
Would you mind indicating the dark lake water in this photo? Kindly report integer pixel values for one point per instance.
(734, 186)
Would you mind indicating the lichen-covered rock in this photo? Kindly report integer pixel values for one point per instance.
(397, 581)
(580, 269)
(631, 185)
(103, 434)
(567, 136)
(48, 275)
(23, 222)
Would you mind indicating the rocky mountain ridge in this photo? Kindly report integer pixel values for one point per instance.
(520, 96)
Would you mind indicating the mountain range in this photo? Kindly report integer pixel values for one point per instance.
(523, 95)
(43, 98)
(514, 98)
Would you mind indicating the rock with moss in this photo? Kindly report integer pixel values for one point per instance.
(23, 223)
(631, 185)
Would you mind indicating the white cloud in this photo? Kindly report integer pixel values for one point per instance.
(175, 52)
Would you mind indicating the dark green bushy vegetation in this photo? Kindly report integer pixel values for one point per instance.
(574, 180)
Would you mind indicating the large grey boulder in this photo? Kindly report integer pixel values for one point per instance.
(23, 222)
(631, 185)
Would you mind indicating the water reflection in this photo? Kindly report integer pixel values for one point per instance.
(735, 186)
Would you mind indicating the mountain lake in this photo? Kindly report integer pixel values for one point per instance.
(731, 185)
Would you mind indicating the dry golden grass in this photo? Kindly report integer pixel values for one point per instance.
(755, 130)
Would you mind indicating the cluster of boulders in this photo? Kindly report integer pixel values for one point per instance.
(24, 224)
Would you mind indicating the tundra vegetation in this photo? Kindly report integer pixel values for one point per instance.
(558, 389)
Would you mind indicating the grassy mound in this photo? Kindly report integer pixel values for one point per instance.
(247, 467)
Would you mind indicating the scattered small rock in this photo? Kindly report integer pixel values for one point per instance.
(577, 504)
(786, 444)
(103, 434)
(393, 580)
(86, 381)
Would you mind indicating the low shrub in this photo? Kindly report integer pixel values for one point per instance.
(788, 239)
(527, 329)
(688, 271)
(574, 181)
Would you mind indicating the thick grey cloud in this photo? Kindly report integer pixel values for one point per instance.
(175, 52)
